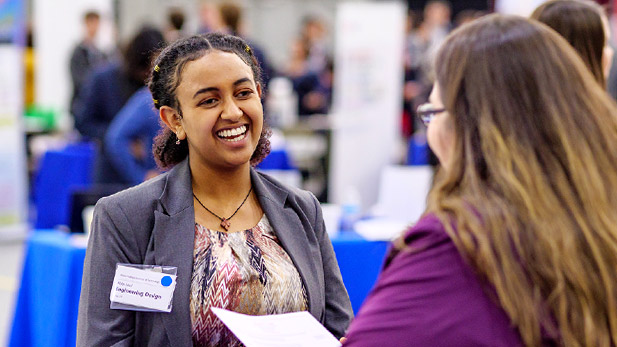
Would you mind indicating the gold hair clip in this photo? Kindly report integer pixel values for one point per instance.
(157, 68)
(247, 49)
(156, 102)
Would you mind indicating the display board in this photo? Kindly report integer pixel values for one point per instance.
(58, 29)
(518, 7)
(367, 98)
(13, 184)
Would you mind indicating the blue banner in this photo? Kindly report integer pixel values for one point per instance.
(12, 24)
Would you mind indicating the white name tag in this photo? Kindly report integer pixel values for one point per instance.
(143, 288)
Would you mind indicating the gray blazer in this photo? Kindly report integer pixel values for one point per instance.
(154, 223)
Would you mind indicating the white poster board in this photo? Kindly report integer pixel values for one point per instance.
(58, 29)
(518, 7)
(13, 175)
(367, 97)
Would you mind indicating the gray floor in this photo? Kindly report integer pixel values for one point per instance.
(11, 258)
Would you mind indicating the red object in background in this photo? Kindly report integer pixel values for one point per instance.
(406, 124)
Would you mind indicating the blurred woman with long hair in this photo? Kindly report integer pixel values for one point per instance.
(583, 23)
(518, 245)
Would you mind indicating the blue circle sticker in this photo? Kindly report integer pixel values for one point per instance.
(166, 281)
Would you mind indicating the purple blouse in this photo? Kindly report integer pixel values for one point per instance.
(430, 298)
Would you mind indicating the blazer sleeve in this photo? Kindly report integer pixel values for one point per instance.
(111, 242)
(338, 312)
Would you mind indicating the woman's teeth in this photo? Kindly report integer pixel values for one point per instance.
(233, 135)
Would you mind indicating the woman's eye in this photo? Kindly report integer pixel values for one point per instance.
(208, 102)
(245, 93)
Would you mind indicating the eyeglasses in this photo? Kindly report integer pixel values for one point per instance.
(426, 112)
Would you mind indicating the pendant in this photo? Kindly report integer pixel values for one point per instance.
(225, 224)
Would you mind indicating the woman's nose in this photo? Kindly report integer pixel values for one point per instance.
(231, 111)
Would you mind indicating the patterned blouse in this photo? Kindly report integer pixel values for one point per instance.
(246, 272)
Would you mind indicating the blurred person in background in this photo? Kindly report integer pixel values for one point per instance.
(431, 33)
(413, 85)
(518, 245)
(175, 23)
(314, 90)
(315, 35)
(425, 34)
(209, 17)
(130, 136)
(238, 238)
(296, 65)
(311, 69)
(231, 23)
(107, 91)
(85, 58)
(584, 25)
(467, 16)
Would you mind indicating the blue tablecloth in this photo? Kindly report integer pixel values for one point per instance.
(360, 262)
(61, 171)
(46, 310)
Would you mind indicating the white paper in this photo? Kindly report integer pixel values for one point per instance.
(143, 288)
(297, 329)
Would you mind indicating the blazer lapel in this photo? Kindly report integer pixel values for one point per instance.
(173, 235)
(290, 232)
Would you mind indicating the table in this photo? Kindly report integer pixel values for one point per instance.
(61, 171)
(48, 298)
(360, 262)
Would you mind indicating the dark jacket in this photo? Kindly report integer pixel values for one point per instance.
(105, 94)
(84, 59)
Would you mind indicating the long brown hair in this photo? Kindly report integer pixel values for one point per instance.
(580, 23)
(530, 199)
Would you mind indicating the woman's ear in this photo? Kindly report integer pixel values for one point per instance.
(259, 90)
(173, 120)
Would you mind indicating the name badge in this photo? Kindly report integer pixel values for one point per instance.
(142, 289)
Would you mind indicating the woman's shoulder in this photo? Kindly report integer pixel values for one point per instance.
(428, 230)
(300, 196)
(141, 196)
(428, 223)
(433, 295)
(426, 234)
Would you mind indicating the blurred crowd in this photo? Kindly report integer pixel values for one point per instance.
(426, 31)
(106, 84)
(111, 106)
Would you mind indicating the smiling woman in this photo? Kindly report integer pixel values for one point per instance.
(220, 117)
(239, 239)
(165, 82)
